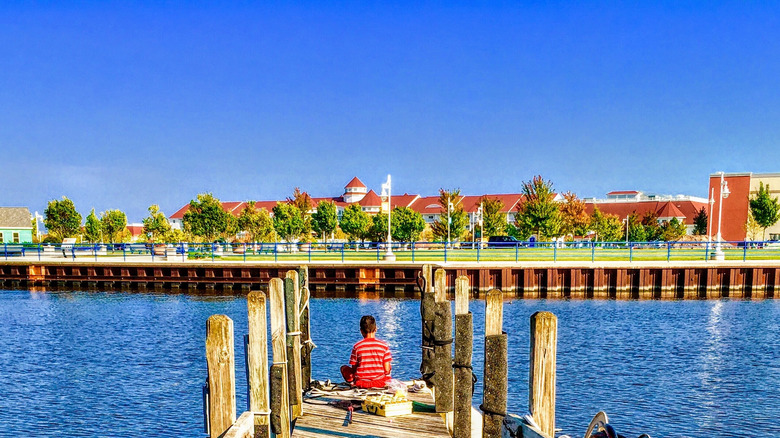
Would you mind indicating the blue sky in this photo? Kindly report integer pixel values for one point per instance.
(126, 104)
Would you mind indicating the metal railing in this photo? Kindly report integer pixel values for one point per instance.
(403, 251)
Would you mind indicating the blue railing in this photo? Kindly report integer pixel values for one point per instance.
(404, 251)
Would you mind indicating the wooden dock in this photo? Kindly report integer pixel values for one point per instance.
(322, 419)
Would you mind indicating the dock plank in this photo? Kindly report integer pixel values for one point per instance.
(321, 419)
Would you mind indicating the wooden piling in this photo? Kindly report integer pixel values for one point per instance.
(464, 332)
(306, 343)
(257, 357)
(495, 370)
(541, 378)
(280, 403)
(427, 313)
(220, 359)
(442, 348)
(292, 294)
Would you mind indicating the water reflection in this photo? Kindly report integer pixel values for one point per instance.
(699, 368)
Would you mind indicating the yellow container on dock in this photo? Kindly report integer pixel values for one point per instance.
(387, 406)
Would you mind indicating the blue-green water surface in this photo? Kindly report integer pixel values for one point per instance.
(100, 364)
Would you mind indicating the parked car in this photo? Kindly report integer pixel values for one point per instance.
(502, 242)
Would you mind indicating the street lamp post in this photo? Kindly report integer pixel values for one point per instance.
(709, 218)
(724, 193)
(449, 221)
(389, 256)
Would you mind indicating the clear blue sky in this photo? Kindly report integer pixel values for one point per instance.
(121, 106)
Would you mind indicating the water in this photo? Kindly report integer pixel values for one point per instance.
(95, 364)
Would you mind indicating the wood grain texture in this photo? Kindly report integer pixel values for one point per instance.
(541, 378)
(494, 312)
(221, 364)
(279, 350)
(242, 428)
(292, 294)
(323, 420)
(257, 357)
(462, 295)
(440, 285)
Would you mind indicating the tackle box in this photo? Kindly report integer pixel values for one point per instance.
(387, 406)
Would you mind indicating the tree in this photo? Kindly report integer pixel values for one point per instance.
(574, 218)
(256, 223)
(325, 219)
(377, 231)
(608, 227)
(672, 230)
(288, 222)
(355, 222)
(455, 217)
(303, 202)
(92, 228)
(636, 231)
(206, 218)
(156, 226)
(493, 217)
(765, 208)
(61, 219)
(407, 225)
(537, 212)
(751, 227)
(652, 229)
(113, 222)
(700, 222)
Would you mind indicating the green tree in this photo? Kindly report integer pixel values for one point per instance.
(325, 219)
(765, 208)
(455, 217)
(407, 225)
(61, 219)
(493, 217)
(206, 218)
(113, 222)
(608, 227)
(574, 218)
(303, 202)
(673, 230)
(288, 222)
(34, 222)
(355, 222)
(636, 231)
(537, 212)
(653, 231)
(256, 223)
(700, 222)
(156, 226)
(377, 231)
(92, 228)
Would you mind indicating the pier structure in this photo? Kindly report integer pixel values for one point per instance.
(580, 280)
(281, 402)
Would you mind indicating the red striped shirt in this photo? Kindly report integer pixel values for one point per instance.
(370, 356)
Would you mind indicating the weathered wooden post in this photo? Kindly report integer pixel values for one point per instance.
(541, 374)
(464, 385)
(306, 343)
(292, 294)
(280, 402)
(222, 374)
(428, 313)
(257, 357)
(442, 345)
(495, 391)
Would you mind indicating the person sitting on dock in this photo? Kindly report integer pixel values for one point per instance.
(370, 361)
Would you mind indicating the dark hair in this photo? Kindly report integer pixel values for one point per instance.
(367, 324)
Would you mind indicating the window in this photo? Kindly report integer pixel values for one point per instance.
(16, 237)
(773, 236)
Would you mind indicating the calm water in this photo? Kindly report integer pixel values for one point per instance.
(87, 364)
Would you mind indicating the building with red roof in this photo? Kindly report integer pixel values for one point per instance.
(665, 207)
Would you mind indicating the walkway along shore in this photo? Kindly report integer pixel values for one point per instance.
(576, 280)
